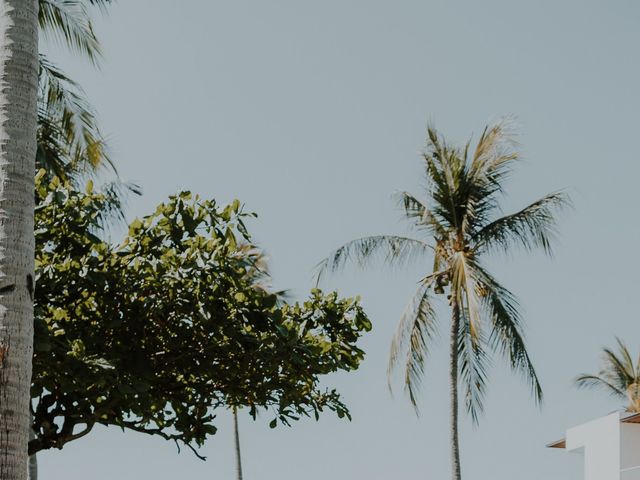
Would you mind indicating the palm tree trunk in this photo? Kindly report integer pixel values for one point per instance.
(18, 91)
(33, 459)
(236, 432)
(455, 448)
(33, 467)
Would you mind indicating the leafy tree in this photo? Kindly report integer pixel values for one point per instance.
(157, 333)
(619, 376)
(460, 221)
(70, 143)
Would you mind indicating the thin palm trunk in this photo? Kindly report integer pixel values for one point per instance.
(18, 92)
(236, 432)
(33, 459)
(455, 447)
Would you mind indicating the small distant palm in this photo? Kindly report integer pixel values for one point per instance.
(619, 376)
(257, 272)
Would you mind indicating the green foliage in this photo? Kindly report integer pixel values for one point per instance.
(157, 333)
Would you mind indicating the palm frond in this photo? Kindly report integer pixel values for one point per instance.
(593, 381)
(506, 335)
(117, 194)
(417, 327)
(474, 363)
(101, 4)
(463, 191)
(618, 376)
(68, 137)
(51, 154)
(413, 208)
(68, 22)
(444, 168)
(465, 289)
(485, 175)
(616, 370)
(532, 227)
(495, 153)
(422, 216)
(392, 249)
(626, 358)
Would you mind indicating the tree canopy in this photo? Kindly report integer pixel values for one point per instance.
(155, 334)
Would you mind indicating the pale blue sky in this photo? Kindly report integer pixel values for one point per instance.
(313, 113)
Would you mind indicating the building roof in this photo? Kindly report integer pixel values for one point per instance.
(628, 417)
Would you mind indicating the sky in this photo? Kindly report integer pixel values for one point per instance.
(313, 114)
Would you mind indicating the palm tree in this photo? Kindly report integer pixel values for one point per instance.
(619, 376)
(69, 140)
(18, 125)
(236, 438)
(32, 473)
(460, 222)
(257, 272)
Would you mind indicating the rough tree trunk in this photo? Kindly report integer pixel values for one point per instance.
(236, 433)
(455, 448)
(18, 91)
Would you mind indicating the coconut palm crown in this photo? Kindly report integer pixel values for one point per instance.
(70, 143)
(460, 222)
(69, 140)
(619, 376)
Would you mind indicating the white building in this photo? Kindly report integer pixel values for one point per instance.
(610, 445)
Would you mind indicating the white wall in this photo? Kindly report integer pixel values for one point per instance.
(599, 440)
(630, 444)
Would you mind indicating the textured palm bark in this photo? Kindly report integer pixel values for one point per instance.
(18, 91)
(236, 432)
(455, 447)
